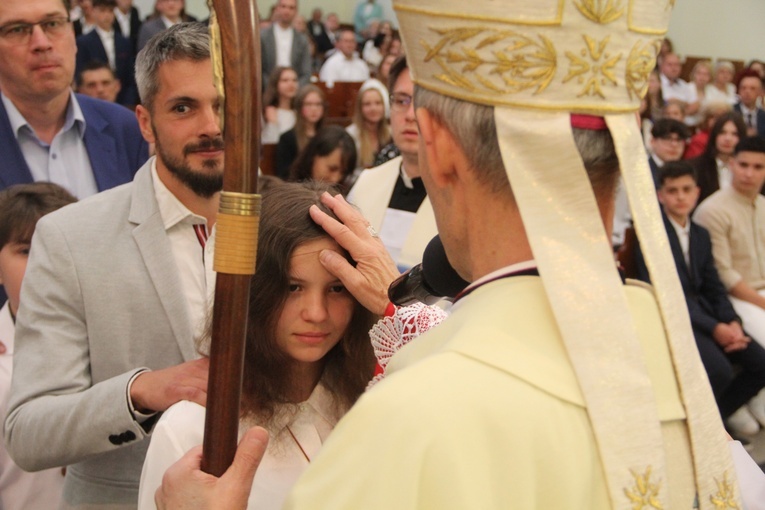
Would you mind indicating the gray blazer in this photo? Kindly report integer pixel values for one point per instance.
(300, 57)
(101, 299)
(148, 30)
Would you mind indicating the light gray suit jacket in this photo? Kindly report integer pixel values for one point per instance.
(101, 299)
(148, 30)
(300, 56)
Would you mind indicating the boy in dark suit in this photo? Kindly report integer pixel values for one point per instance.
(106, 45)
(719, 335)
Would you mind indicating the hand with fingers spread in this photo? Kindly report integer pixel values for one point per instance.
(156, 390)
(186, 487)
(368, 281)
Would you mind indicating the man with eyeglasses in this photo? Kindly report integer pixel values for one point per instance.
(117, 288)
(48, 133)
(392, 196)
(667, 144)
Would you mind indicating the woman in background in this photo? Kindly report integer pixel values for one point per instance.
(650, 108)
(310, 106)
(329, 157)
(710, 112)
(722, 88)
(712, 167)
(384, 70)
(701, 75)
(370, 129)
(278, 100)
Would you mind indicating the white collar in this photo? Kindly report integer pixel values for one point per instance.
(679, 228)
(171, 209)
(103, 34)
(73, 116)
(512, 268)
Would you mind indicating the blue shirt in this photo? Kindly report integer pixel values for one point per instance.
(65, 160)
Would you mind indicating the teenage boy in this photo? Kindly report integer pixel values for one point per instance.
(719, 336)
(667, 144)
(735, 219)
(104, 44)
(20, 208)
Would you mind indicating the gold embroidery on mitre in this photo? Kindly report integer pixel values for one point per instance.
(601, 11)
(521, 63)
(640, 63)
(646, 17)
(644, 494)
(725, 499)
(552, 18)
(596, 62)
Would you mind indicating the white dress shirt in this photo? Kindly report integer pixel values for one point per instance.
(195, 263)
(283, 37)
(20, 490)
(107, 39)
(750, 116)
(123, 20)
(169, 23)
(65, 160)
(339, 68)
(684, 236)
(678, 89)
(724, 175)
(87, 27)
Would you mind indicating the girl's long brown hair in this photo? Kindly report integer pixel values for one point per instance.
(348, 366)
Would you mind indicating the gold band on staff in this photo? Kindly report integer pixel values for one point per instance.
(236, 236)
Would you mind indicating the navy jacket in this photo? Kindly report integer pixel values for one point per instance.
(112, 139)
(760, 118)
(135, 27)
(707, 299)
(90, 48)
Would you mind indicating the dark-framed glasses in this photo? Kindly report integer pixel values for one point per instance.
(20, 33)
(400, 101)
(672, 139)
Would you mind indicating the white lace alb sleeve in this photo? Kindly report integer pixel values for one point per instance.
(392, 333)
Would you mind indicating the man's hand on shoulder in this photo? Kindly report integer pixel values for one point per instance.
(156, 390)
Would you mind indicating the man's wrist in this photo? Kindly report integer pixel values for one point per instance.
(139, 415)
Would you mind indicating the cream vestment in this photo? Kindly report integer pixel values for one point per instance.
(465, 408)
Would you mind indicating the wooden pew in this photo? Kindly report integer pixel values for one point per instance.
(341, 99)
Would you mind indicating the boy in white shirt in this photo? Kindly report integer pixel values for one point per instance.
(20, 208)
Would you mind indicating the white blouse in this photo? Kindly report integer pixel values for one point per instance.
(285, 120)
(714, 95)
(295, 437)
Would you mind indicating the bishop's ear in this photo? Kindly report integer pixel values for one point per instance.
(439, 148)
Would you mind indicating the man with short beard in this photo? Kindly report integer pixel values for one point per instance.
(117, 289)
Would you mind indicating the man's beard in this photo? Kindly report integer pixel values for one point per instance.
(203, 184)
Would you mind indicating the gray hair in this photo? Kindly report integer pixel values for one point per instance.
(184, 41)
(473, 128)
(475, 131)
(724, 64)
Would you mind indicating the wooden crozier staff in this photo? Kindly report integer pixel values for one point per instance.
(235, 48)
